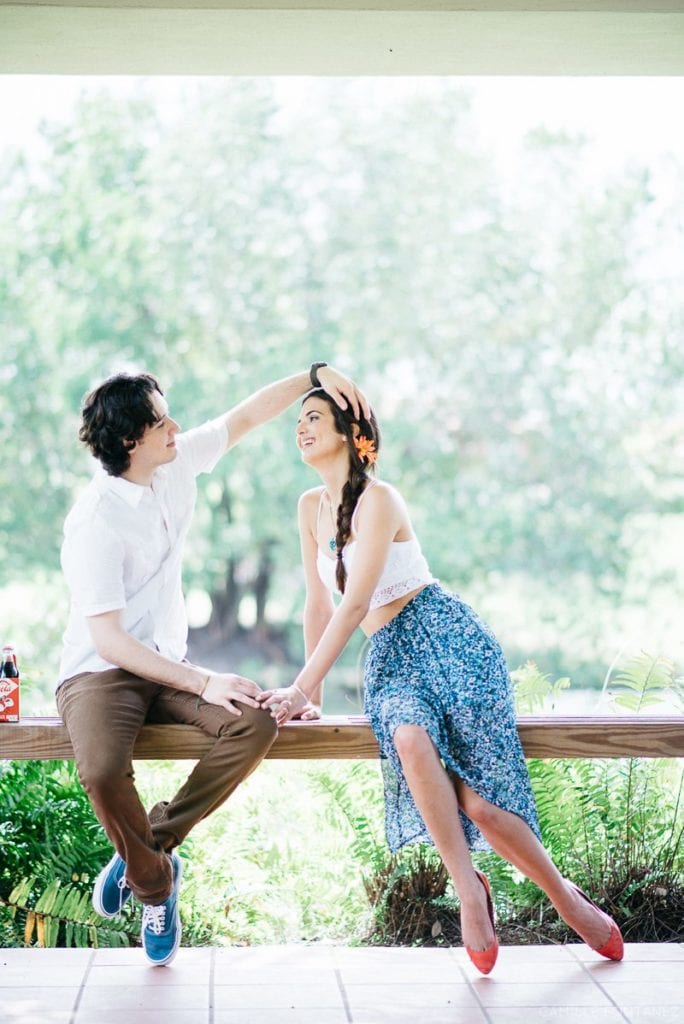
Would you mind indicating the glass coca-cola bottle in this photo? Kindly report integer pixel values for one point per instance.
(9, 685)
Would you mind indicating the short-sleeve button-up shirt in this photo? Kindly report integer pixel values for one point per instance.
(119, 535)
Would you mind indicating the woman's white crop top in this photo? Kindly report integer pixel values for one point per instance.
(405, 569)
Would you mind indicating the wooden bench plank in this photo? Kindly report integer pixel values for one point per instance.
(351, 738)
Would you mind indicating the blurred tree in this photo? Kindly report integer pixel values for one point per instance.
(521, 359)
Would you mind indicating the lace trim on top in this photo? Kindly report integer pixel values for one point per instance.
(405, 570)
(385, 595)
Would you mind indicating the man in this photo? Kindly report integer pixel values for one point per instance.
(123, 662)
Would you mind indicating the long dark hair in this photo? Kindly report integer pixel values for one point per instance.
(115, 416)
(359, 469)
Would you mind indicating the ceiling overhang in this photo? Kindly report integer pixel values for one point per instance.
(375, 37)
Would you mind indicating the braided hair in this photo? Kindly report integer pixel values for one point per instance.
(359, 467)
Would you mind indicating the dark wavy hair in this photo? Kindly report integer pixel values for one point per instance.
(358, 472)
(115, 416)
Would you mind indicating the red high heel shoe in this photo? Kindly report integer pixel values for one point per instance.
(485, 959)
(614, 948)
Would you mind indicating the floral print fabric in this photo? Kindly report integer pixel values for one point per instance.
(439, 666)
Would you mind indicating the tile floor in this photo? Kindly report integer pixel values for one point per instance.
(336, 985)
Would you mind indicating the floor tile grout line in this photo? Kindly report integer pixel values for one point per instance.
(472, 988)
(604, 978)
(212, 975)
(600, 987)
(81, 988)
(343, 993)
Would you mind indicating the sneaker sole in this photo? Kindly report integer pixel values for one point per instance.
(179, 929)
(170, 956)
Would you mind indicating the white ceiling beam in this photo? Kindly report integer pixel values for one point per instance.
(274, 37)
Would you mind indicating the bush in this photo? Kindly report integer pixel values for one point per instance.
(51, 849)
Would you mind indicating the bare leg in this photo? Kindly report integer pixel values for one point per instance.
(514, 840)
(436, 800)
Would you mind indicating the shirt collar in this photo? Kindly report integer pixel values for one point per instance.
(131, 493)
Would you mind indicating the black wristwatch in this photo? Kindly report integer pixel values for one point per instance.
(313, 374)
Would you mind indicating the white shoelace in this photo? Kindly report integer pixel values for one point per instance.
(154, 918)
(122, 884)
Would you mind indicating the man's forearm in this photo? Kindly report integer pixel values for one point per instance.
(270, 401)
(279, 396)
(124, 651)
(265, 404)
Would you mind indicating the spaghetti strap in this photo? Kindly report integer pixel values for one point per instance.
(320, 506)
(365, 491)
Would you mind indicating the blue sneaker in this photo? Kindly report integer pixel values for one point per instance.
(111, 891)
(161, 925)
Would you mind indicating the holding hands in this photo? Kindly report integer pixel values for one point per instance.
(289, 702)
(225, 688)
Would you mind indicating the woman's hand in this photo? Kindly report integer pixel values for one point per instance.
(285, 703)
(309, 713)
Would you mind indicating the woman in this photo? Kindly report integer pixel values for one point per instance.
(437, 691)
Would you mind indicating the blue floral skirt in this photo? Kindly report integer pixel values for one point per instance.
(437, 665)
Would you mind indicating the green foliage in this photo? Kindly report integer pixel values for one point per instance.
(534, 690)
(409, 898)
(406, 891)
(616, 826)
(51, 848)
(61, 915)
(360, 806)
(270, 866)
(644, 682)
(48, 826)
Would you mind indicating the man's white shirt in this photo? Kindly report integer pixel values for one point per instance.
(120, 536)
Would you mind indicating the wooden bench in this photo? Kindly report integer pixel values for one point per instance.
(351, 738)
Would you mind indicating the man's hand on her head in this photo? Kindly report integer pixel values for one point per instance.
(344, 391)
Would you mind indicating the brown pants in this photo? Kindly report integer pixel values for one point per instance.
(104, 712)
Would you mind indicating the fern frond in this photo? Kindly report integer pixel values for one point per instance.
(63, 911)
(643, 682)
(534, 690)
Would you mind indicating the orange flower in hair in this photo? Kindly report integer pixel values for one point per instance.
(365, 448)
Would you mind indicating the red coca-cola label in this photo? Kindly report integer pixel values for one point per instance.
(9, 700)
